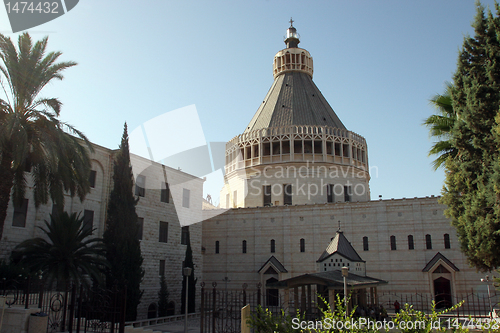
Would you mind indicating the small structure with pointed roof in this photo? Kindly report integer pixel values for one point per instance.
(340, 253)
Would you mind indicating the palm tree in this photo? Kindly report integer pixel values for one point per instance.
(31, 136)
(440, 126)
(70, 255)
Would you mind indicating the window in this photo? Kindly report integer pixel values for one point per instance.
(365, 243)
(185, 235)
(20, 213)
(428, 242)
(140, 186)
(273, 246)
(287, 194)
(92, 178)
(447, 241)
(330, 196)
(185, 197)
(410, 242)
(163, 232)
(266, 189)
(244, 246)
(165, 193)
(393, 243)
(140, 222)
(347, 193)
(302, 245)
(162, 268)
(227, 201)
(272, 294)
(217, 244)
(235, 199)
(88, 220)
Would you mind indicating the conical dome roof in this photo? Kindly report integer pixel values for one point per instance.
(294, 99)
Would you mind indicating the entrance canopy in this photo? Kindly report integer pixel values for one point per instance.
(331, 279)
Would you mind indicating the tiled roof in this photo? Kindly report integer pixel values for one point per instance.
(294, 99)
(342, 246)
(435, 259)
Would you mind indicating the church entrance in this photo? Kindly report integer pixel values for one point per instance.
(442, 293)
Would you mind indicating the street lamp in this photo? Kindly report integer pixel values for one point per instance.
(345, 274)
(487, 280)
(187, 272)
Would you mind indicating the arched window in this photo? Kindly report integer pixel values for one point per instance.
(393, 243)
(302, 245)
(365, 243)
(428, 242)
(273, 246)
(152, 311)
(216, 246)
(410, 243)
(244, 246)
(447, 241)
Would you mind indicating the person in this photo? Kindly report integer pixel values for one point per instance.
(396, 306)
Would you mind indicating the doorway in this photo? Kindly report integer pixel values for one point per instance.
(442, 293)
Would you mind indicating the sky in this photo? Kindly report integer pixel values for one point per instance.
(377, 63)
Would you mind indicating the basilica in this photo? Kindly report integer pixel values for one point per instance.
(295, 203)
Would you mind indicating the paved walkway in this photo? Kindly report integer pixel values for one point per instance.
(178, 326)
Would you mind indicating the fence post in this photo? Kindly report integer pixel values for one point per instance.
(27, 293)
(72, 308)
(202, 308)
(123, 312)
(245, 294)
(40, 295)
(245, 315)
(259, 291)
(214, 304)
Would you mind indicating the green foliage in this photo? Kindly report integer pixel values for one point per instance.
(70, 255)
(163, 297)
(264, 321)
(122, 229)
(188, 262)
(472, 185)
(409, 320)
(31, 136)
(440, 126)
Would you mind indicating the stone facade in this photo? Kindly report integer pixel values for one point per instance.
(151, 208)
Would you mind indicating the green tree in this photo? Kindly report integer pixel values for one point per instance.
(440, 126)
(472, 191)
(163, 297)
(122, 229)
(188, 262)
(69, 255)
(31, 136)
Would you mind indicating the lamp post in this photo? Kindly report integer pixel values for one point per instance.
(487, 280)
(187, 272)
(345, 274)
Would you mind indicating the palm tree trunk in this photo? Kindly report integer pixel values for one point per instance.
(6, 182)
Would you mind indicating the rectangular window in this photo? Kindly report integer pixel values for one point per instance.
(185, 235)
(20, 213)
(162, 268)
(273, 246)
(428, 242)
(287, 194)
(411, 246)
(185, 197)
(140, 222)
(347, 193)
(266, 189)
(235, 199)
(393, 243)
(88, 220)
(165, 193)
(92, 178)
(447, 244)
(163, 232)
(140, 186)
(365, 243)
(330, 196)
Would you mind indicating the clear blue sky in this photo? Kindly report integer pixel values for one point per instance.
(377, 63)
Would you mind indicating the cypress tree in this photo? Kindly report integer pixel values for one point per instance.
(163, 297)
(121, 235)
(472, 184)
(188, 262)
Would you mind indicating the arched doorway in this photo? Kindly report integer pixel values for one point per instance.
(171, 308)
(152, 311)
(272, 295)
(442, 293)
